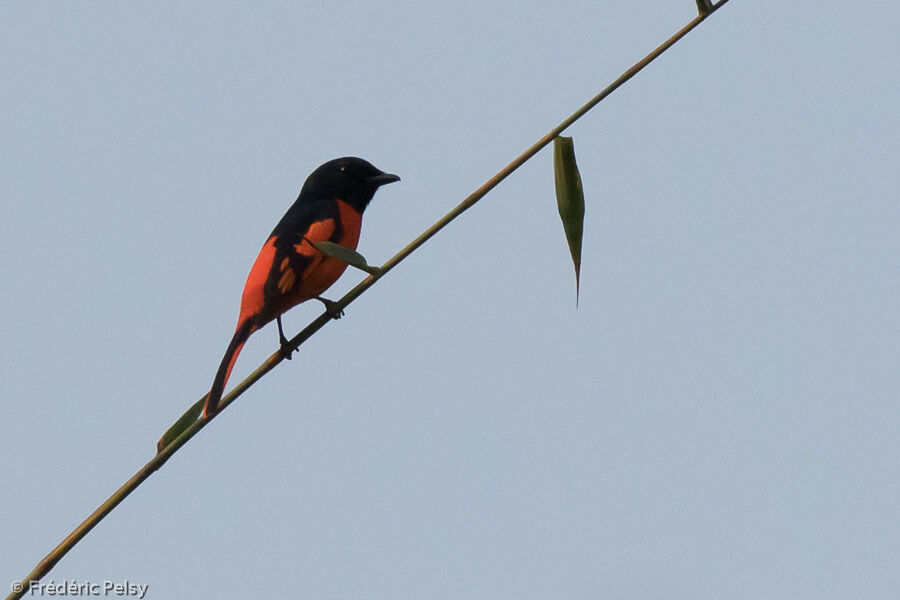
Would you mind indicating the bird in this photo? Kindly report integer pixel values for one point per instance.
(289, 269)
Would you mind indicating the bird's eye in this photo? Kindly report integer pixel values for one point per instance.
(344, 170)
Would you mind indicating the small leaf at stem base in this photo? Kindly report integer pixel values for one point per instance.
(185, 421)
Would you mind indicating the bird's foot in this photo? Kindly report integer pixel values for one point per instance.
(285, 345)
(329, 304)
(286, 351)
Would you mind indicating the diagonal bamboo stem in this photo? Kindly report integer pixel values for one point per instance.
(49, 561)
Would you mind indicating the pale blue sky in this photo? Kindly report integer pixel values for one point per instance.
(718, 418)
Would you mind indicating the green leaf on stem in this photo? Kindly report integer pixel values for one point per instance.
(569, 199)
(351, 257)
(177, 428)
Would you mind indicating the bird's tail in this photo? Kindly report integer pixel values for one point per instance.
(234, 348)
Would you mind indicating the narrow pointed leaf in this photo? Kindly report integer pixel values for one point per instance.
(183, 422)
(351, 257)
(569, 199)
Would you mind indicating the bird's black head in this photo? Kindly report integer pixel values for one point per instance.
(350, 179)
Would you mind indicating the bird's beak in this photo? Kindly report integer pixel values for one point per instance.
(383, 179)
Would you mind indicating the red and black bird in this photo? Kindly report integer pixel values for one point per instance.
(289, 269)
